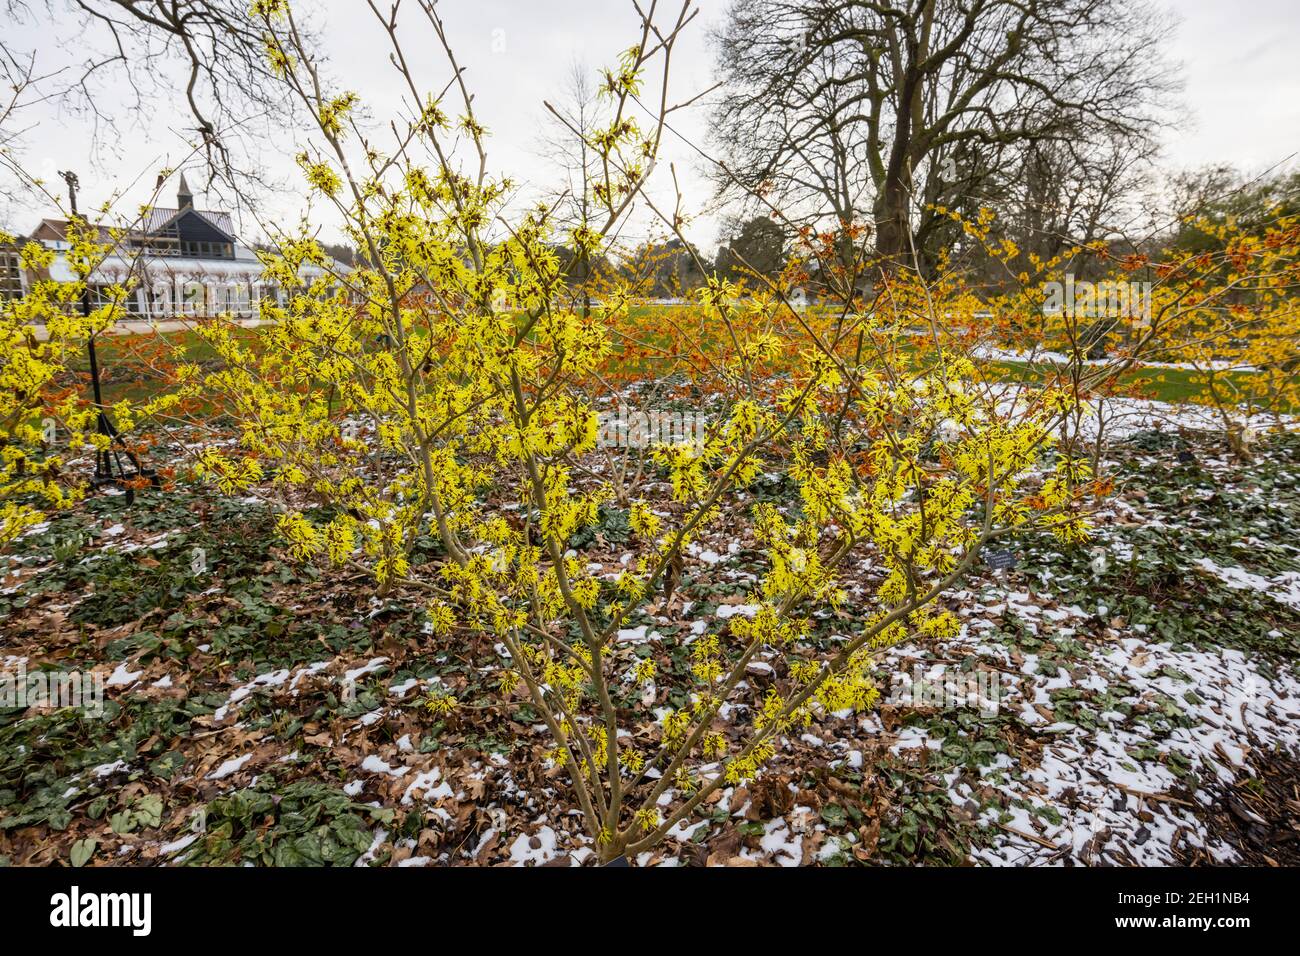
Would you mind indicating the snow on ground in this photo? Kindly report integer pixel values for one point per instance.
(1094, 795)
(1284, 588)
(1112, 797)
(1046, 356)
(1118, 418)
(1105, 790)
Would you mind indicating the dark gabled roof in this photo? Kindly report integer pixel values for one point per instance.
(157, 219)
(160, 217)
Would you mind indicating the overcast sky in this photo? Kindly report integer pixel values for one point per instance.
(1242, 91)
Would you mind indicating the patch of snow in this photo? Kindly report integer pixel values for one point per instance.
(122, 677)
(726, 611)
(373, 764)
(522, 852)
(232, 766)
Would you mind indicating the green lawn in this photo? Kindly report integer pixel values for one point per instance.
(1173, 385)
(126, 373)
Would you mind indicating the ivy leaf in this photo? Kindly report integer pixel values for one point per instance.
(82, 851)
(834, 815)
(148, 810)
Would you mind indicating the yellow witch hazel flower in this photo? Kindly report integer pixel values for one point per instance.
(340, 538)
(442, 620)
(644, 671)
(304, 540)
(643, 521)
(319, 175)
(440, 704)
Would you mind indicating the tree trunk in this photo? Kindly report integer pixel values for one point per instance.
(893, 227)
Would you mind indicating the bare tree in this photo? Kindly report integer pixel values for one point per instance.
(939, 96)
(1050, 194)
(758, 247)
(17, 76)
(575, 118)
(567, 144)
(207, 56)
(790, 145)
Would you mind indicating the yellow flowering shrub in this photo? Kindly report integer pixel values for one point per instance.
(48, 427)
(443, 387)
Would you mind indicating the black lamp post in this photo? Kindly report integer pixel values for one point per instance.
(109, 469)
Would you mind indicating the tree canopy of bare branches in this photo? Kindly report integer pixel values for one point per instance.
(204, 56)
(881, 111)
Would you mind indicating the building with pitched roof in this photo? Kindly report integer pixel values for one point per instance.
(187, 261)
